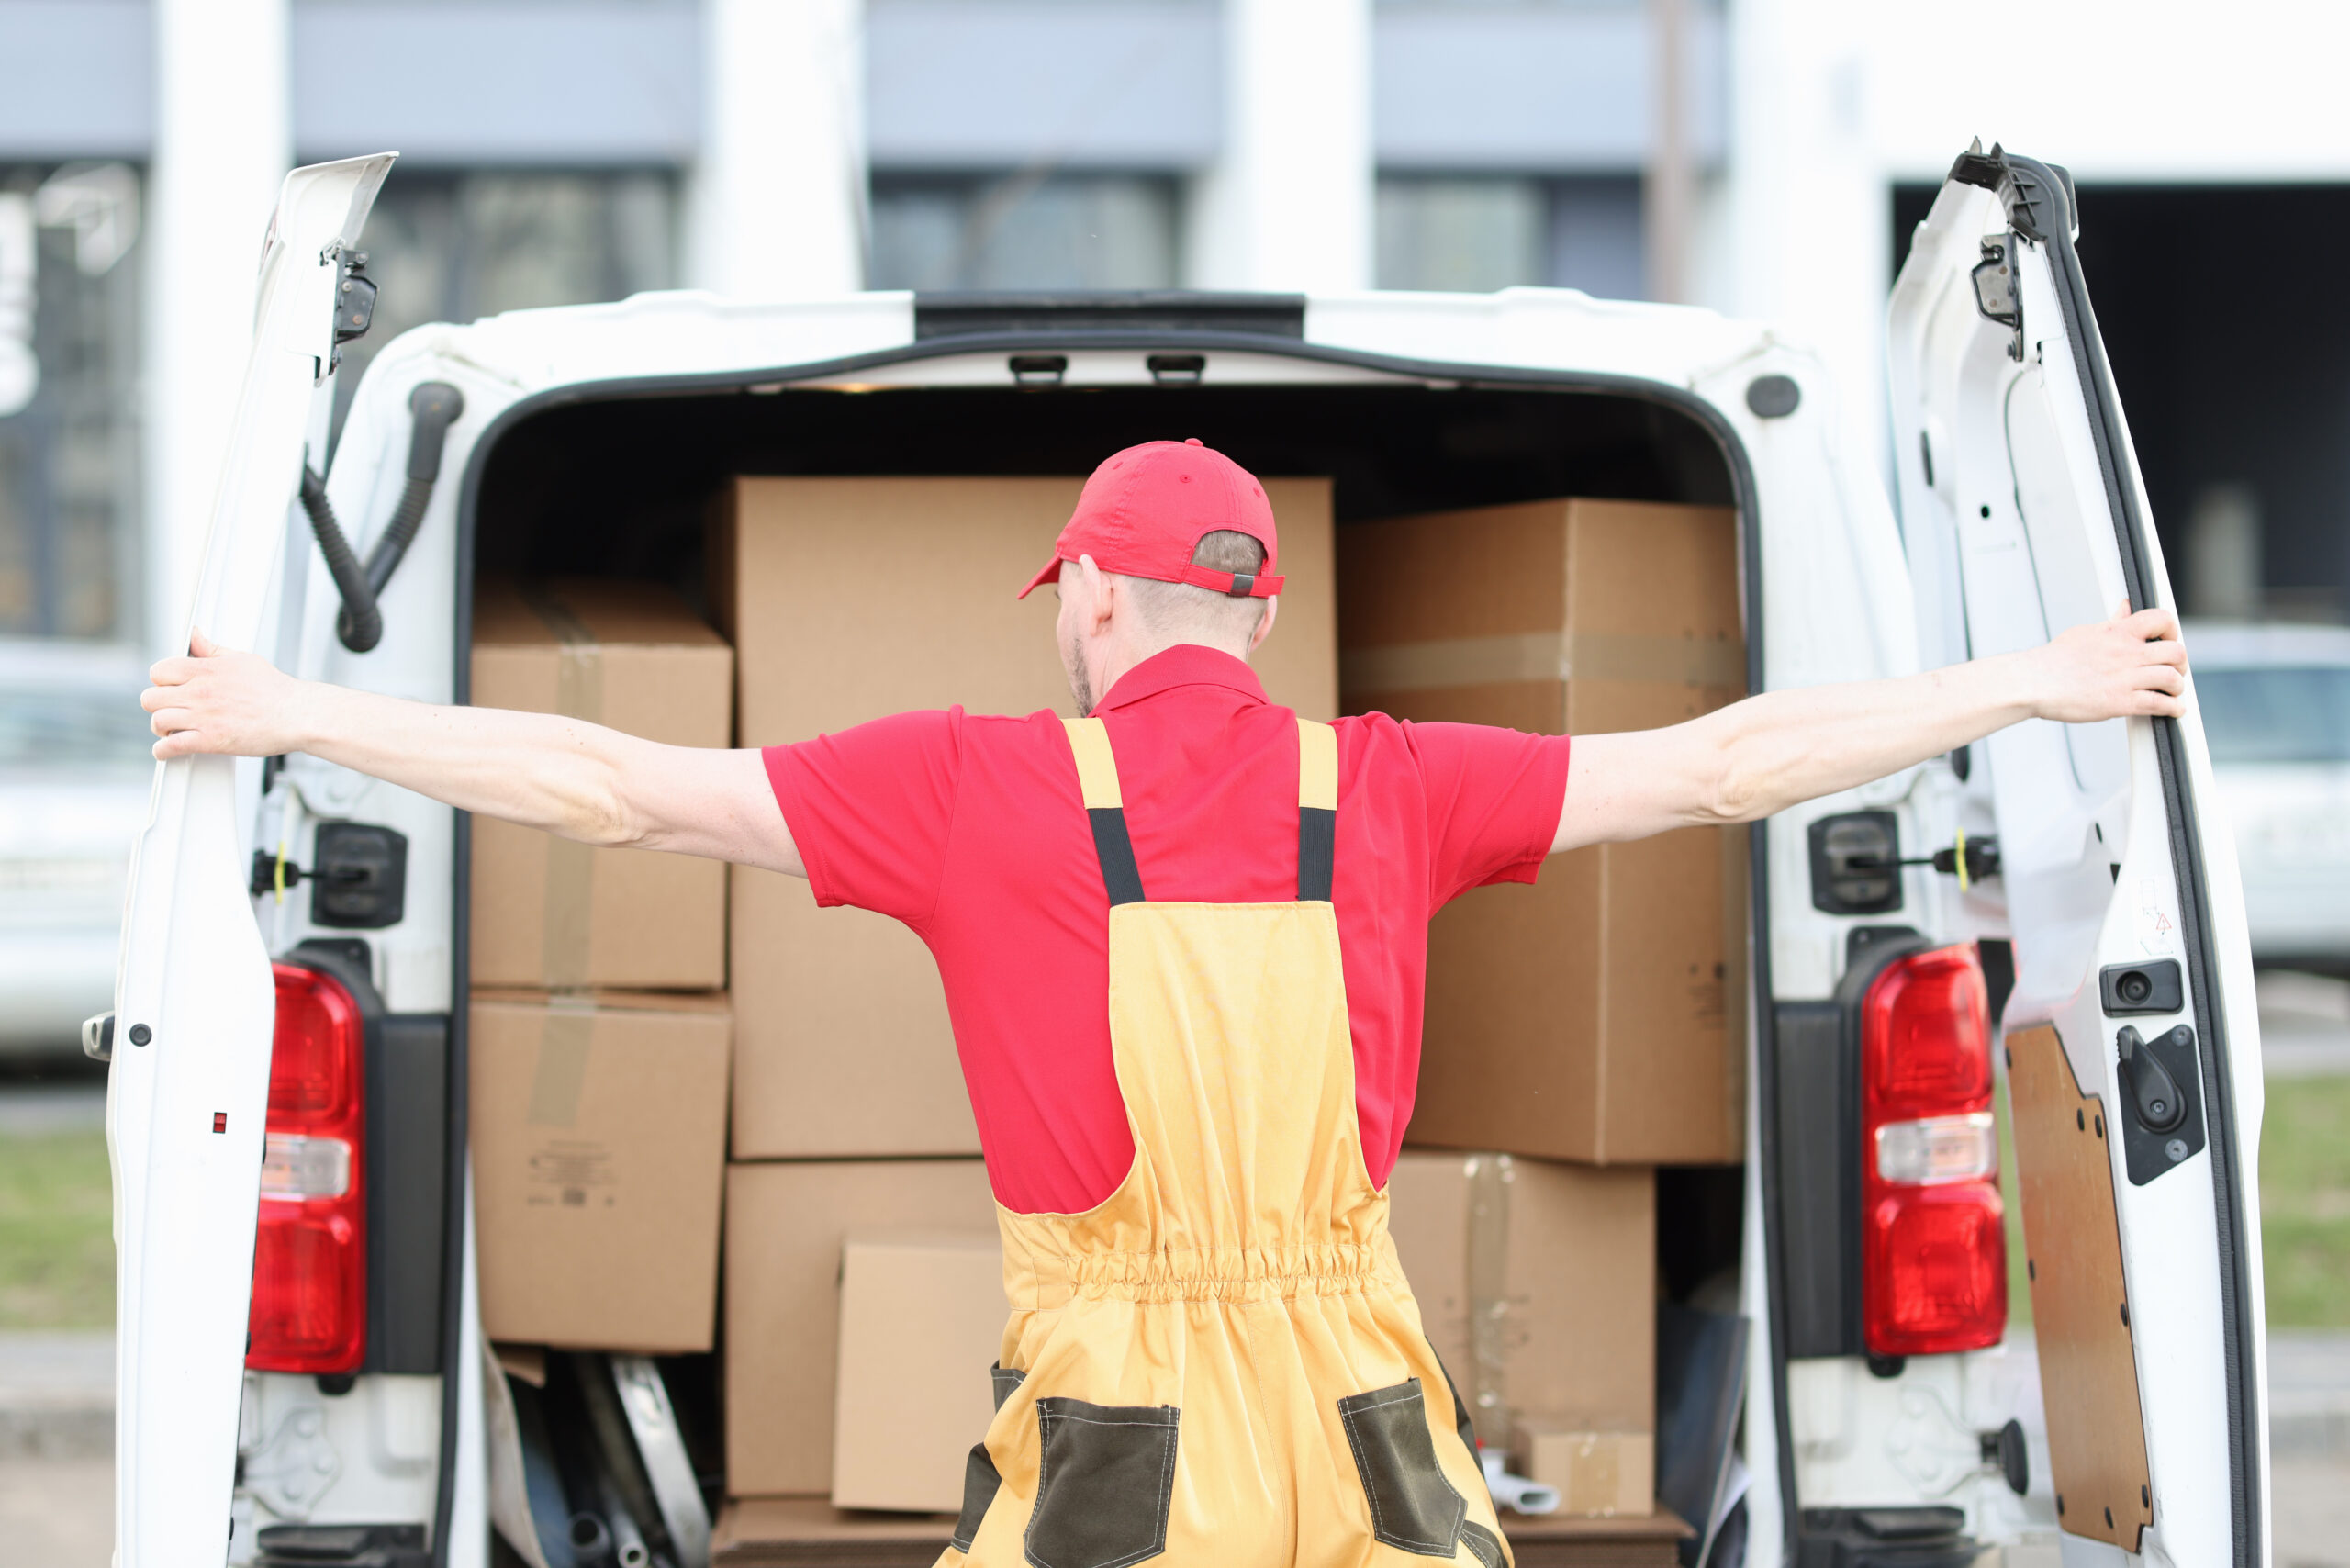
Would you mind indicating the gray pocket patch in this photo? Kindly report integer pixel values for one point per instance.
(1413, 1506)
(1104, 1479)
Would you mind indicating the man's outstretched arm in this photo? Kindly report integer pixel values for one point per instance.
(566, 776)
(1767, 753)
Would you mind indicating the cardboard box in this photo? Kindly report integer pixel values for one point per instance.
(844, 1048)
(1600, 1014)
(548, 912)
(1556, 1264)
(786, 1226)
(919, 1310)
(773, 1531)
(598, 1133)
(1598, 1472)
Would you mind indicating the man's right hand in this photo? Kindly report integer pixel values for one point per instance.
(221, 700)
(543, 770)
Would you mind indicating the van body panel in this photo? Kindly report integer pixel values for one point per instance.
(194, 1002)
(2026, 516)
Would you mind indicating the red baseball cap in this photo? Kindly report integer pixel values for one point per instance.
(1146, 510)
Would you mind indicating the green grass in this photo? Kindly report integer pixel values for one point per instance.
(2305, 1202)
(56, 1231)
(57, 1250)
(2011, 1198)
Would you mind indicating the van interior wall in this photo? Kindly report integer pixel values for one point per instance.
(619, 488)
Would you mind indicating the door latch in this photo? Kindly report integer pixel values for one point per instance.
(358, 876)
(2162, 1119)
(2154, 1093)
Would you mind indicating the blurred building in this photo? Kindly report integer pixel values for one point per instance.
(1762, 156)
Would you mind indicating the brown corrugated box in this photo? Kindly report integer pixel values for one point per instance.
(1554, 1264)
(1600, 1014)
(808, 1532)
(1598, 1472)
(548, 912)
(919, 1310)
(598, 1135)
(786, 1225)
(843, 1047)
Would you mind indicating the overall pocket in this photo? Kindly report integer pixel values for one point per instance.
(1413, 1506)
(1104, 1478)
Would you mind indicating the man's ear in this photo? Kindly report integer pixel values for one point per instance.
(1265, 624)
(1108, 601)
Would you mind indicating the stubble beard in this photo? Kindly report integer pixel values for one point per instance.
(1080, 687)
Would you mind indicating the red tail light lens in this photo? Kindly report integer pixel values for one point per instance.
(309, 1304)
(1933, 1256)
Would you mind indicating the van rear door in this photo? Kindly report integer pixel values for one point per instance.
(194, 999)
(2132, 1053)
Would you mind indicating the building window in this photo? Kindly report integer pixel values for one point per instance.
(69, 434)
(1024, 230)
(450, 246)
(1475, 233)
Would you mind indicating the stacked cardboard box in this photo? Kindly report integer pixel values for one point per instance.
(1536, 1281)
(850, 1130)
(1598, 1015)
(844, 1048)
(558, 914)
(597, 1046)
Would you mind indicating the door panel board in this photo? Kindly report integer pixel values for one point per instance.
(2088, 1371)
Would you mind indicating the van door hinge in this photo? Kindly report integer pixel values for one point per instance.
(1996, 294)
(354, 302)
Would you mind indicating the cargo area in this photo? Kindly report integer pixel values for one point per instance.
(720, 1137)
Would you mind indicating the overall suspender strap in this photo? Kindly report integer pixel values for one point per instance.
(1318, 808)
(1097, 777)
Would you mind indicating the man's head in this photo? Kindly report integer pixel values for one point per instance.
(1170, 543)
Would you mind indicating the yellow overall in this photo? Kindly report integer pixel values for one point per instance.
(1221, 1361)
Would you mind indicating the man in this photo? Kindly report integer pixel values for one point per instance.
(1183, 938)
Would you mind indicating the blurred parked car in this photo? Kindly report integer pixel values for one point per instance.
(74, 775)
(2277, 709)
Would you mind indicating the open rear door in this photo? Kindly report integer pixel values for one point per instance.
(2133, 1056)
(194, 1000)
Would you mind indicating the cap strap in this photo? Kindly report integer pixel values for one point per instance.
(1238, 585)
(1097, 777)
(1317, 809)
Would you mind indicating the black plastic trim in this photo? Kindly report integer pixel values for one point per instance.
(1680, 399)
(1061, 314)
(2040, 195)
(1821, 1120)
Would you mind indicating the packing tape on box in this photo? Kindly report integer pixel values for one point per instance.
(561, 1072)
(568, 922)
(1544, 655)
(1488, 1290)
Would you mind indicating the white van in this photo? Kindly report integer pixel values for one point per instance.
(1881, 1379)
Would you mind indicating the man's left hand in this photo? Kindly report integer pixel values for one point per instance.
(2130, 666)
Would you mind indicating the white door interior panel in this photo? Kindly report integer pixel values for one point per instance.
(193, 1000)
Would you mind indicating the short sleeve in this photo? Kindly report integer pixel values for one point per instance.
(1493, 798)
(871, 810)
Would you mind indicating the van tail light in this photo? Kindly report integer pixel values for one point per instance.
(1933, 1252)
(309, 1302)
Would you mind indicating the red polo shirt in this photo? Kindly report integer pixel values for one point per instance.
(972, 831)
